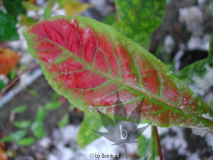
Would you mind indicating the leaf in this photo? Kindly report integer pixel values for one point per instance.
(32, 92)
(143, 147)
(12, 74)
(110, 19)
(22, 124)
(88, 62)
(154, 146)
(140, 18)
(64, 121)
(41, 114)
(20, 109)
(2, 85)
(85, 134)
(29, 6)
(15, 136)
(52, 105)
(14, 8)
(8, 60)
(74, 7)
(38, 129)
(54, 97)
(199, 73)
(48, 10)
(26, 141)
(26, 21)
(8, 30)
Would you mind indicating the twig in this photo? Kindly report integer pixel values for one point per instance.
(26, 70)
(158, 142)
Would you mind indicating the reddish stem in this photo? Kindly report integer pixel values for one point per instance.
(158, 142)
(26, 70)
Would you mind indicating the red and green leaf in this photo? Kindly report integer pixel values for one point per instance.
(87, 62)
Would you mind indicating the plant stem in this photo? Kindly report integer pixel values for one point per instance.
(158, 142)
(26, 70)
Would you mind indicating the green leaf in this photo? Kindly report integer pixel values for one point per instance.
(26, 141)
(110, 19)
(154, 146)
(22, 124)
(20, 109)
(52, 105)
(8, 30)
(140, 18)
(38, 129)
(199, 73)
(48, 10)
(85, 134)
(41, 114)
(12, 74)
(32, 92)
(15, 136)
(64, 121)
(14, 7)
(2, 85)
(54, 97)
(143, 147)
(29, 6)
(88, 62)
(28, 21)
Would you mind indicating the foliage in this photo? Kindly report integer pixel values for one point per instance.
(170, 101)
(8, 30)
(137, 20)
(102, 62)
(199, 73)
(8, 60)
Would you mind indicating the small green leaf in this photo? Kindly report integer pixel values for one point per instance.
(15, 136)
(55, 96)
(143, 147)
(64, 121)
(52, 105)
(154, 146)
(38, 129)
(41, 113)
(14, 7)
(29, 6)
(140, 18)
(86, 135)
(28, 21)
(8, 30)
(48, 10)
(2, 85)
(32, 92)
(12, 74)
(22, 124)
(26, 141)
(20, 109)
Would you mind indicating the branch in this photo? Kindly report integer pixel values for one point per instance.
(26, 70)
(158, 142)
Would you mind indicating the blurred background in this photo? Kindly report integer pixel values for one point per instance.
(37, 123)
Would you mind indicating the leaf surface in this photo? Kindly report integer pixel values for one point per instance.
(87, 62)
(199, 73)
(8, 30)
(138, 19)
